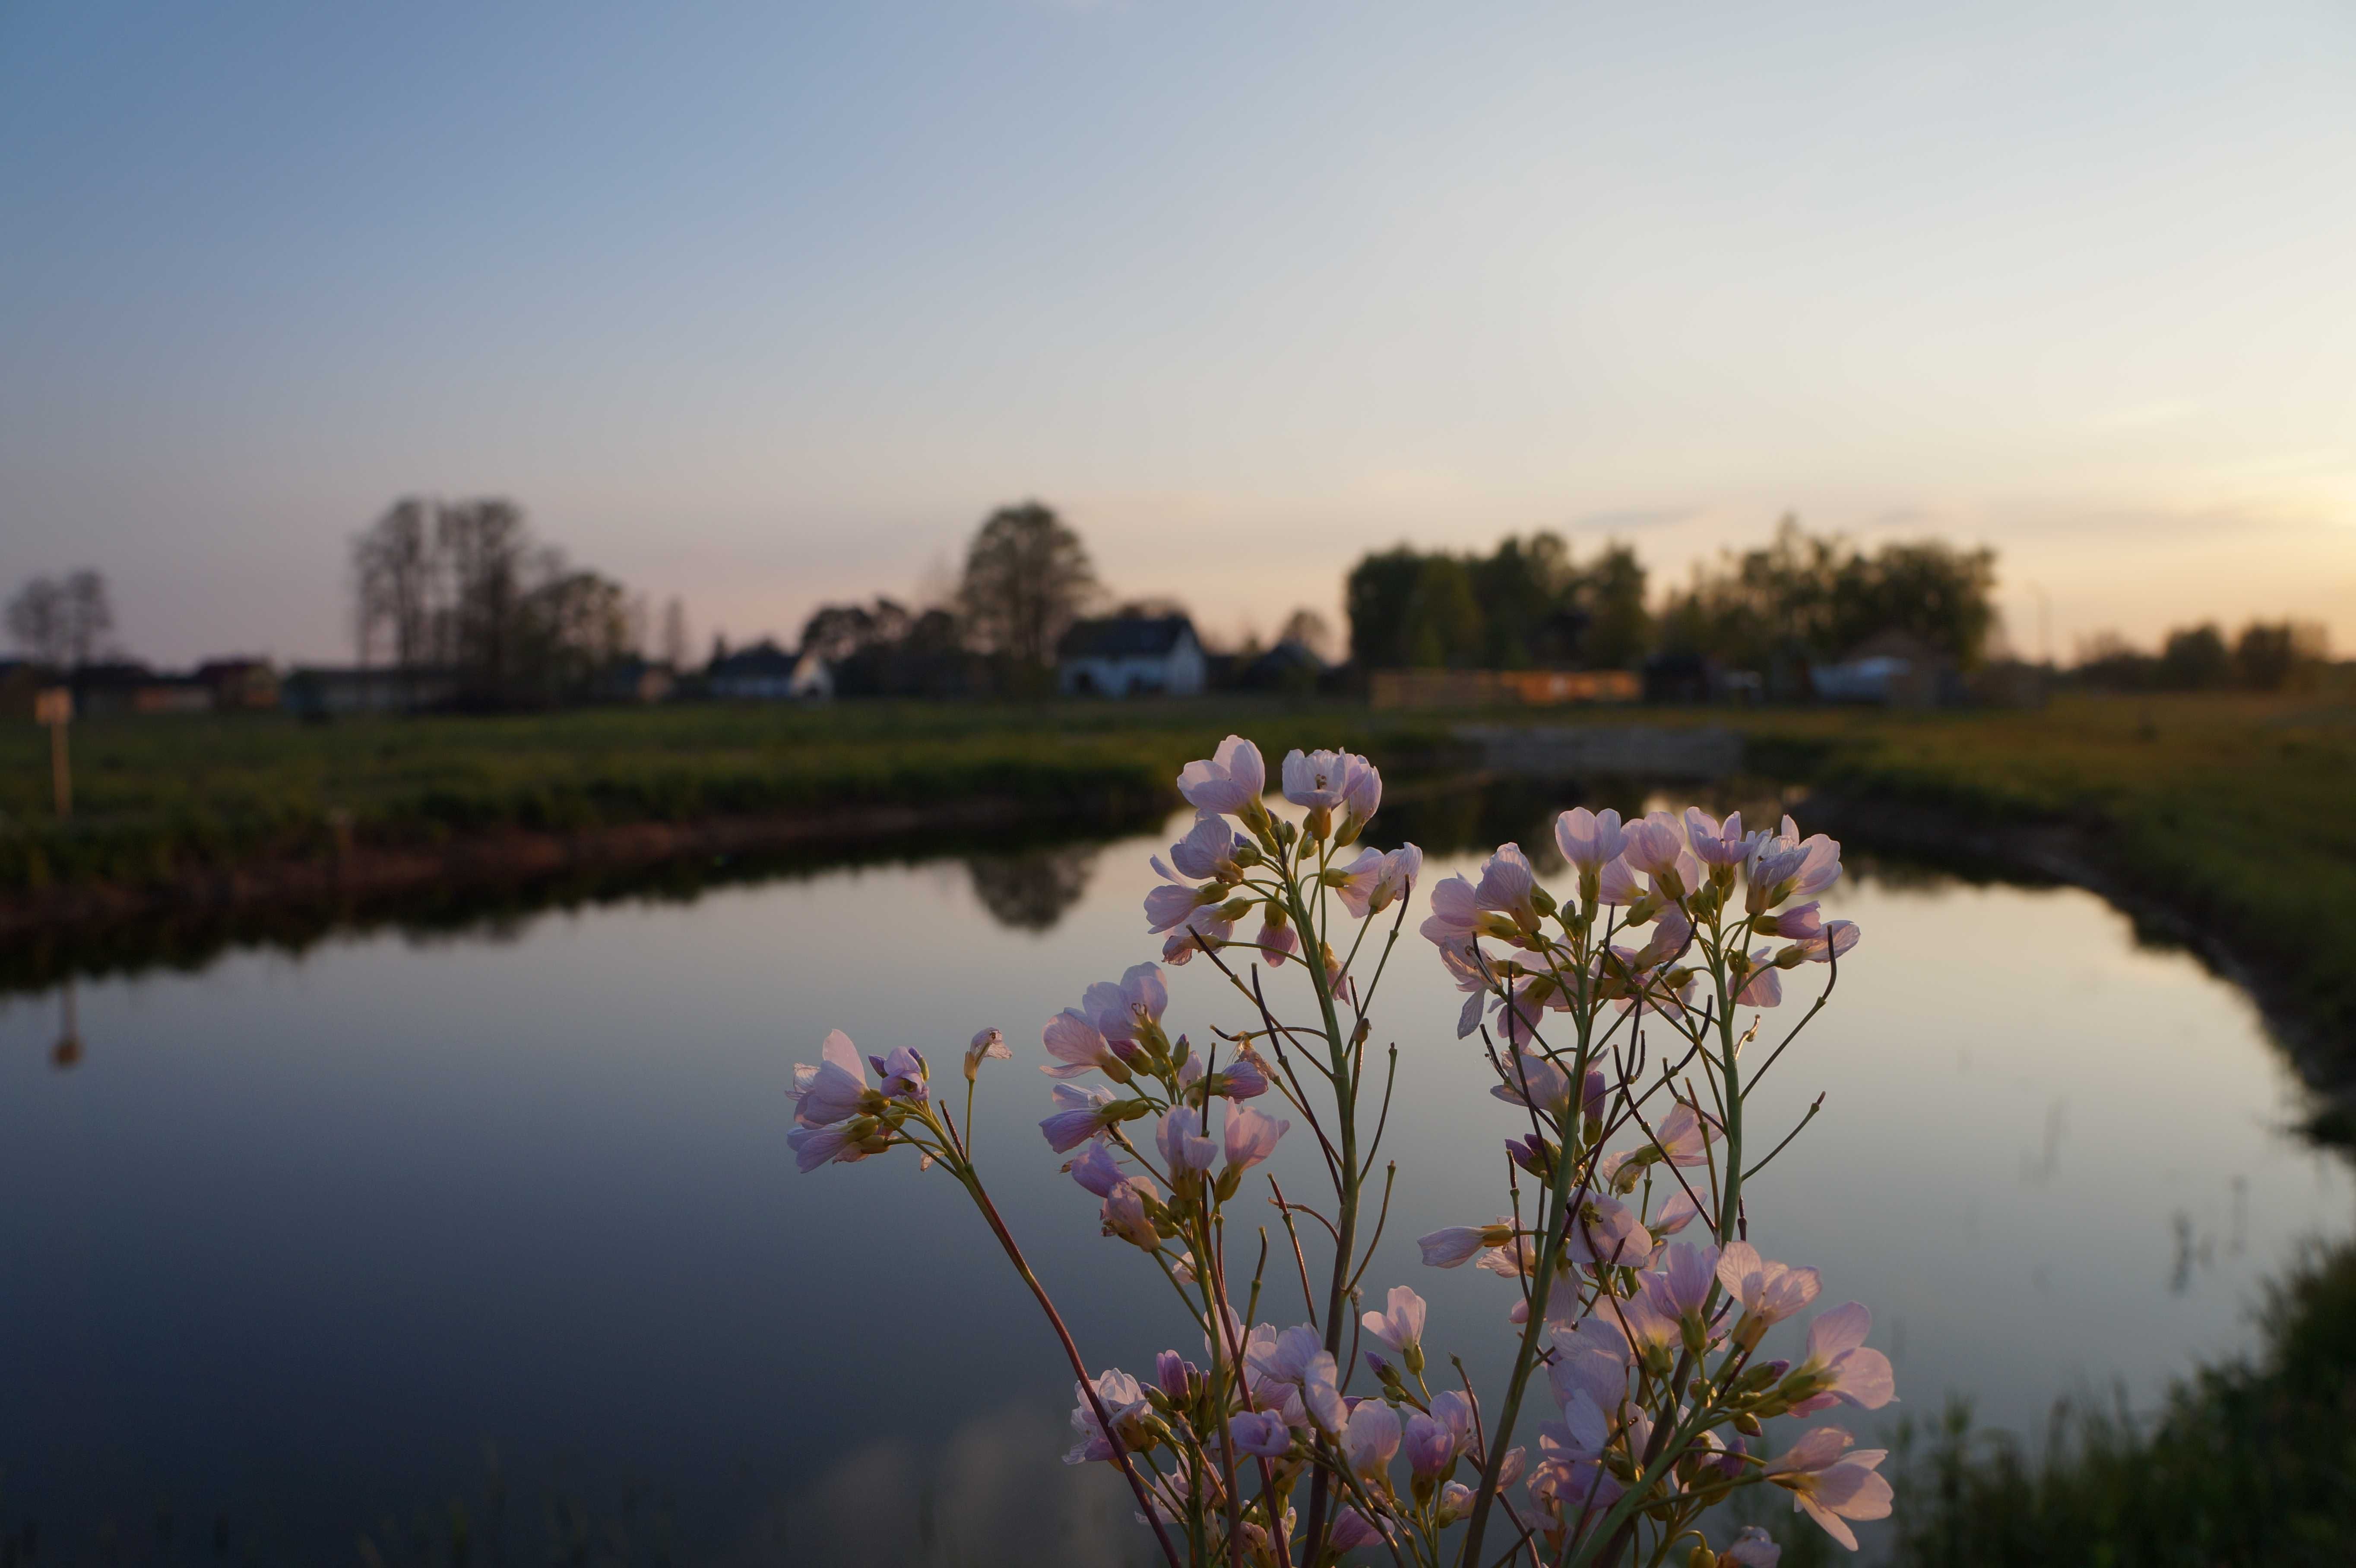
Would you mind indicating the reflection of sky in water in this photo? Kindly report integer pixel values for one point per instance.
(294, 1238)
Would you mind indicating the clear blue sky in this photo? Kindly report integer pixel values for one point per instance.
(764, 305)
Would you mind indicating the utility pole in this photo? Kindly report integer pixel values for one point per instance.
(54, 707)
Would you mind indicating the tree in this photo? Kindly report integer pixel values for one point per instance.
(2195, 659)
(1308, 628)
(394, 585)
(2268, 656)
(1619, 627)
(62, 624)
(1444, 616)
(1375, 596)
(1027, 578)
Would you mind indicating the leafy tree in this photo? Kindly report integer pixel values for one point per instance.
(2195, 659)
(1444, 626)
(1027, 578)
(2270, 656)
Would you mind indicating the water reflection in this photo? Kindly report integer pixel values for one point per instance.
(1030, 891)
(297, 1236)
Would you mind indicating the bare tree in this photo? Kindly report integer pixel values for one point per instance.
(1308, 628)
(1027, 577)
(37, 619)
(62, 624)
(395, 583)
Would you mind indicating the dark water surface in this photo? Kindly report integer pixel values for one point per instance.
(490, 1245)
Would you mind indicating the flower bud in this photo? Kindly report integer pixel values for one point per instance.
(1748, 1425)
(1791, 958)
(1318, 824)
(1701, 1557)
(1542, 901)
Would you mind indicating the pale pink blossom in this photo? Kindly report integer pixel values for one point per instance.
(1430, 1447)
(1362, 789)
(1175, 1375)
(1605, 1230)
(1230, 781)
(1456, 1244)
(1169, 905)
(839, 1144)
(1534, 1082)
(1352, 1529)
(1207, 853)
(1684, 1136)
(1080, 1115)
(1317, 779)
(1589, 839)
(1373, 882)
(1249, 1137)
(1125, 1215)
(1840, 1366)
(1716, 843)
(1656, 847)
(1676, 1214)
(1455, 918)
(1186, 1148)
(1123, 1012)
(1261, 1434)
(1371, 1439)
(1095, 1170)
(1830, 1486)
(1768, 1292)
(1752, 1548)
(1683, 1288)
(1276, 939)
(1506, 886)
(1764, 988)
(834, 1090)
(1204, 926)
(904, 1073)
(1833, 941)
(1400, 1324)
(987, 1045)
(1124, 1402)
(1617, 885)
(1077, 1045)
(1591, 1357)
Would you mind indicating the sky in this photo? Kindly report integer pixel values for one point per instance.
(768, 305)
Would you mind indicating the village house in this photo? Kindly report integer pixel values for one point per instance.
(1130, 655)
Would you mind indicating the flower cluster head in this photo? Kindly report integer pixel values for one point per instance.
(1606, 1011)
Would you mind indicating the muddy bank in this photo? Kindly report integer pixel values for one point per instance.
(2079, 857)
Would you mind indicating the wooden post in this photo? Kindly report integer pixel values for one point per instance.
(54, 707)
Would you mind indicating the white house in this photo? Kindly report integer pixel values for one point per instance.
(1130, 655)
(762, 673)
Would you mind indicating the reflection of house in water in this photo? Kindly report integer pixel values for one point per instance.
(1130, 655)
(1030, 891)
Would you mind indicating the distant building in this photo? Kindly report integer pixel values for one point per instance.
(240, 683)
(762, 673)
(1499, 687)
(325, 691)
(1893, 667)
(813, 679)
(127, 686)
(1130, 655)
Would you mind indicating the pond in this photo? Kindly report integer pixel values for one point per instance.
(490, 1243)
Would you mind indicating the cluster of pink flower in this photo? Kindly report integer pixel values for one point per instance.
(1647, 1346)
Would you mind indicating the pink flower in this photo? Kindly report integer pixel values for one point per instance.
(1716, 843)
(1260, 1434)
(1080, 1115)
(1317, 778)
(1656, 847)
(1834, 939)
(1124, 1214)
(1400, 1324)
(1674, 1215)
(1168, 904)
(1606, 1230)
(1276, 939)
(1764, 988)
(1250, 1137)
(1095, 1170)
(839, 1144)
(1230, 783)
(1207, 852)
(1373, 881)
(904, 1073)
(1786, 866)
(1589, 838)
(1077, 1045)
(1124, 1401)
(1186, 1147)
(1430, 1447)
(1455, 917)
(1830, 1487)
(1684, 1136)
(1243, 1078)
(1371, 1438)
(1617, 884)
(1362, 789)
(1752, 1548)
(1456, 1244)
(1768, 1292)
(1352, 1529)
(1591, 1357)
(987, 1045)
(1839, 1365)
(1506, 886)
(1534, 1082)
(836, 1089)
(1682, 1289)
(1202, 927)
(1123, 1012)
(1175, 1375)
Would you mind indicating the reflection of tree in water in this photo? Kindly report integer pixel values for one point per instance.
(1030, 891)
(1453, 819)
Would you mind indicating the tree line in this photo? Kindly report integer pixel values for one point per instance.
(464, 589)
(2267, 655)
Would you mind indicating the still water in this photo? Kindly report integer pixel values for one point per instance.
(413, 1248)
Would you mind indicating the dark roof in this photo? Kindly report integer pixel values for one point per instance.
(1125, 636)
(764, 658)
